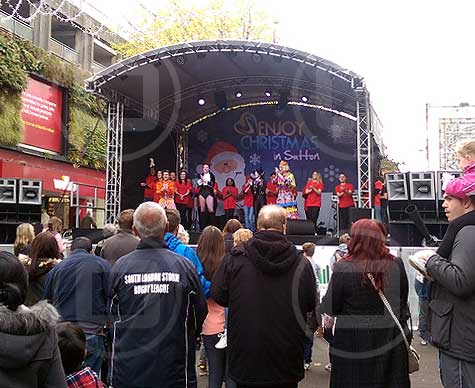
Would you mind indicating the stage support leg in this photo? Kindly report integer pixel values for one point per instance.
(115, 122)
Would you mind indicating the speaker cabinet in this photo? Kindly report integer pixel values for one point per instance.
(29, 213)
(300, 227)
(29, 192)
(7, 191)
(359, 213)
(439, 176)
(422, 186)
(396, 185)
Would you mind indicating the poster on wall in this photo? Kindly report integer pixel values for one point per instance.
(237, 142)
(41, 115)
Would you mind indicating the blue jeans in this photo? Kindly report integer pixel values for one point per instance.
(249, 217)
(307, 349)
(95, 352)
(217, 363)
(377, 213)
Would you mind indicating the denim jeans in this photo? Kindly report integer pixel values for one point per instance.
(307, 349)
(377, 213)
(249, 217)
(95, 352)
(217, 363)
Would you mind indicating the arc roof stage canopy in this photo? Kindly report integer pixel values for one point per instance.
(165, 84)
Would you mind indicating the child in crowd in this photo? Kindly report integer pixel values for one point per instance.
(239, 236)
(342, 249)
(72, 345)
(314, 317)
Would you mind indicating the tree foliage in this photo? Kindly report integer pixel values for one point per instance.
(180, 21)
(388, 165)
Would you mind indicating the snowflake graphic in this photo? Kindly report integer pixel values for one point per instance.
(331, 173)
(202, 136)
(255, 159)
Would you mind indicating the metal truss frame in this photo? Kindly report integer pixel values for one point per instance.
(115, 126)
(364, 138)
(182, 150)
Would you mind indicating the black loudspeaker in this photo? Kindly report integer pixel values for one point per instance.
(396, 185)
(95, 235)
(422, 186)
(29, 213)
(300, 227)
(359, 213)
(7, 191)
(398, 196)
(29, 192)
(439, 177)
(8, 232)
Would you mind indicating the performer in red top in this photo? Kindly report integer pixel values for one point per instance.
(248, 204)
(344, 191)
(149, 184)
(229, 193)
(312, 193)
(183, 193)
(157, 194)
(271, 190)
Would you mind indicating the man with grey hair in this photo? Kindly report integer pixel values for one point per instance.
(267, 316)
(157, 309)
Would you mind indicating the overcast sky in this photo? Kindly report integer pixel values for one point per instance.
(411, 52)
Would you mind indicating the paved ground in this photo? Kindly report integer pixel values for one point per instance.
(318, 377)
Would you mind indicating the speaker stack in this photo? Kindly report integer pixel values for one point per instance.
(424, 190)
(20, 201)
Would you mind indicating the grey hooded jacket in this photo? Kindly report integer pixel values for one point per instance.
(29, 355)
(452, 304)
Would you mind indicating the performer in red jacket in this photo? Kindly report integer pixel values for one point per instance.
(230, 194)
(344, 192)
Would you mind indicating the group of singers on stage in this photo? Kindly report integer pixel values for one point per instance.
(171, 192)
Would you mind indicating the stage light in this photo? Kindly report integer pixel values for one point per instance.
(304, 99)
(268, 93)
(201, 101)
(238, 94)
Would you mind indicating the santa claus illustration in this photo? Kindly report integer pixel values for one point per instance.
(225, 162)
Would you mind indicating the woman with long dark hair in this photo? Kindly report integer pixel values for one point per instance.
(231, 226)
(44, 255)
(29, 351)
(368, 349)
(211, 252)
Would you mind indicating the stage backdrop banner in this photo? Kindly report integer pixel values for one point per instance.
(41, 114)
(237, 142)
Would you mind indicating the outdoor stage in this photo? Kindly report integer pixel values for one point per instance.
(237, 105)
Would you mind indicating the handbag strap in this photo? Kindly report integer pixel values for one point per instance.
(388, 307)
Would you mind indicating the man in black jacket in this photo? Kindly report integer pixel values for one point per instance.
(78, 288)
(157, 309)
(269, 288)
(452, 305)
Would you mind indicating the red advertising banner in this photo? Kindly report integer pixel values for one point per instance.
(41, 114)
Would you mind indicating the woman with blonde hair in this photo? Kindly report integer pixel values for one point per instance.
(211, 252)
(55, 227)
(25, 234)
